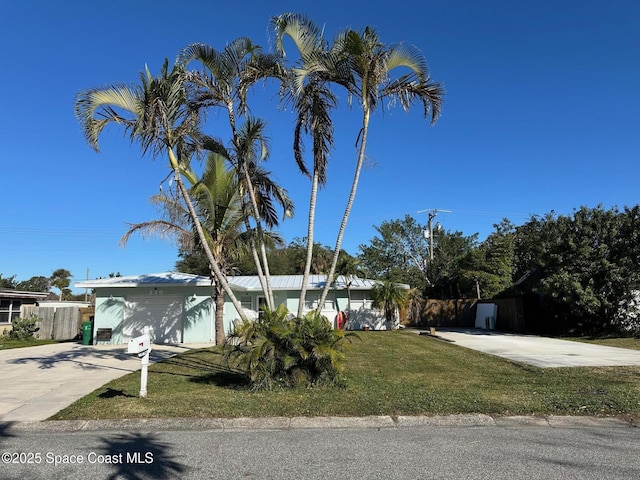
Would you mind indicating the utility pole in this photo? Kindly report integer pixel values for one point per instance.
(86, 290)
(429, 232)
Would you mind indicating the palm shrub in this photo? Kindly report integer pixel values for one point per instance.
(277, 350)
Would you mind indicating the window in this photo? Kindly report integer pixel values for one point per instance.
(9, 309)
(245, 301)
(262, 302)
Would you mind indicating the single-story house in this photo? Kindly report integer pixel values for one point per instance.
(11, 302)
(179, 307)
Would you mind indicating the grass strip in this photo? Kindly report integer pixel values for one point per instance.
(387, 373)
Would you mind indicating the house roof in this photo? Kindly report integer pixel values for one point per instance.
(18, 294)
(148, 280)
(239, 283)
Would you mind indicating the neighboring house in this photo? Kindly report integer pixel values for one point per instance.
(179, 308)
(11, 302)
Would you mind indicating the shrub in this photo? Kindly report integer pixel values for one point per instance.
(277, 350)
(24, 328)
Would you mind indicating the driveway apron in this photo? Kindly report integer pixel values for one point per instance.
(540, 351)
(37, 382)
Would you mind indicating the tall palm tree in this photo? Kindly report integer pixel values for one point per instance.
(229, 73)
(217, 201)
(309, 86)
(157, 114)
(372, 63)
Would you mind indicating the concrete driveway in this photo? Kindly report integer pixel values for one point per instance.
(540, 351)
(37, 382)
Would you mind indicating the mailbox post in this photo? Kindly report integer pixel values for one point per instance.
(141, 346)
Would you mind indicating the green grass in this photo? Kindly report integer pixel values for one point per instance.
(387, 373)
(7, 343)
(632, 343)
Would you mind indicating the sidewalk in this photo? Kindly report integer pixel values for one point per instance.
(37, 382)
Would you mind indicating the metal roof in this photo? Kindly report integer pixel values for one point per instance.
(148, 280)
(243, 283)
(10, 293)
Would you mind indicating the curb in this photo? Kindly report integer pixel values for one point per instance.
(290, 423)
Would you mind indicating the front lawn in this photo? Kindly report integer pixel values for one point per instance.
(387, 373)
(630, 342)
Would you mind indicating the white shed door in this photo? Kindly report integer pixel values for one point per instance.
(163, 313)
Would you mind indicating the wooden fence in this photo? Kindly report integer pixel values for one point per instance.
(461, 313)
(55, 323)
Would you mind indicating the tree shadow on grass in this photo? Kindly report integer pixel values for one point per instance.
(144, 456)
(112, 393)
(223, 377)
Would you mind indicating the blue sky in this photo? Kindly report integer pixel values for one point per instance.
(540, 114)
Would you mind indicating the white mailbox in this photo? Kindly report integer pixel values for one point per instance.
(139, 345)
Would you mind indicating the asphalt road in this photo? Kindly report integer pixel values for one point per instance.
(414, 452)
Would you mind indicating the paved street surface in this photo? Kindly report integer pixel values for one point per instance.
(513, 450)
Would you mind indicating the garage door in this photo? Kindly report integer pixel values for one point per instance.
(163, 313)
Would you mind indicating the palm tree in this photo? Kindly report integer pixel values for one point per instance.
(349, 267)
(309, 85)
(157, 114)
(61, 279)
(388, 296)
(217, 201)
(371, 63)
(229, 74)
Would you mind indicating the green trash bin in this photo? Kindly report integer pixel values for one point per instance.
(86, 333)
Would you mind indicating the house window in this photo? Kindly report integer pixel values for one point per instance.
(245, 301)
(262, 302)
(311, 301)
(9, 309)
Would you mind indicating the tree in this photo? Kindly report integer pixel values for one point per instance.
(388, 297)
(309, 84)
(490, 265)
(371, 64)
(350, 268)
(61, 279)
(8, 282)
(35, 284)
(586, 265)
(157, 114)
(400, 253)
(217, 201)
(229, 74)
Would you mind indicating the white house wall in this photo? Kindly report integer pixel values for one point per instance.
(196, 313)
(336, 301)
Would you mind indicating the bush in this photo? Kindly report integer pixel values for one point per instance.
(277, 350)
(24, 328)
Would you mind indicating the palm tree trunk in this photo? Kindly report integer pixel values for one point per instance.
(347, 210)
(263, 250)
(310, 230)
(220, 335)
(254, 204)
(254, 253)
(194, 216)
